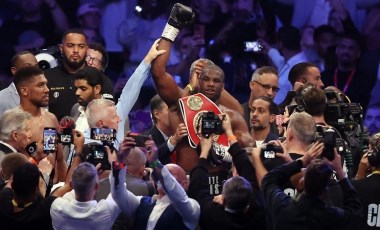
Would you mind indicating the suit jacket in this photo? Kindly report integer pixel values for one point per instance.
(9, 98)
(163, 149)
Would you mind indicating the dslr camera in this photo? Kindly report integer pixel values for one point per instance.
(330, 140)
(269, 151)
(95, 152)
(211, 124)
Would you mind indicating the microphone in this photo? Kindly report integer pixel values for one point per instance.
(66, 122)
(65, 130)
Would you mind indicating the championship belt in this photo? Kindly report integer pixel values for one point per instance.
(192, 108)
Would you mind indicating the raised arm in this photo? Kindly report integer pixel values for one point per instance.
(78, 147)
(186, 207)
(180, 17)
(132, 88)
(126, 200)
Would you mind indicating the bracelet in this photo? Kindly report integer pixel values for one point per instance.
(33, 161)
(232, 138)
(156, 164)
(190, 88)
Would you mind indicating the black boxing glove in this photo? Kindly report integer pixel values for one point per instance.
(181, 16)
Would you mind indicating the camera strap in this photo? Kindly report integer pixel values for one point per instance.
(192, 108)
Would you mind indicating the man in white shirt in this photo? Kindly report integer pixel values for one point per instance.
(79, 208)
(171, 208)
(88, 82)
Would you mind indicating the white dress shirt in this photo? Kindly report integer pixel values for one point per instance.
(68, 213)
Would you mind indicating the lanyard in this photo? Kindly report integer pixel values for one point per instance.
(348, 82)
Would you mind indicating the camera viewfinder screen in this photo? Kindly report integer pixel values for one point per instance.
(102, 134)
(65, 138)
(269, 154)
(98, 154)
(208, 124)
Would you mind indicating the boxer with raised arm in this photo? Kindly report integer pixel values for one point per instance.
(211, 85)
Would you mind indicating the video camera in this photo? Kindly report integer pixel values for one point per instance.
(331, 140)
(48, 58)
(343, 116)
(211, 124)
(94, 152)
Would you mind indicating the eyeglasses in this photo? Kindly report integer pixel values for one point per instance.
(94, 60)
(268, 87)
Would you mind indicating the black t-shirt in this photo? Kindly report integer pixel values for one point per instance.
(35, 216)
(62, 91)
(270, 164)
(369, 190)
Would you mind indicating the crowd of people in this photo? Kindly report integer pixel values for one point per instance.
(286, 136)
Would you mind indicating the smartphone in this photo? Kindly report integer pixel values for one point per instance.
(103, 134)
(50, 140)
(254, 46)
(139, 139)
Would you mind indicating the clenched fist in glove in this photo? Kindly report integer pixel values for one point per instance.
(181, 16)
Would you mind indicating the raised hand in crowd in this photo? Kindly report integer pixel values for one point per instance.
(363, 168)
(180, 132)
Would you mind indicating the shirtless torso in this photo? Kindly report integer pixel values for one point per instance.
(211, 84)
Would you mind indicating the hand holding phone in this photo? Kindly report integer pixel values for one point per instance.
(253, 46)
(139, 139)
(50, 140)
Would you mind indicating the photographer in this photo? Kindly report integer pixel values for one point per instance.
(308, 211)
(22, 201)
(338, 118)
(171, 208)
(103, 125)
(241, 207)
(80, 202)
(367, 186)
(300, 134)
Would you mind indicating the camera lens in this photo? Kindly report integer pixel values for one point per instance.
(44, 65)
